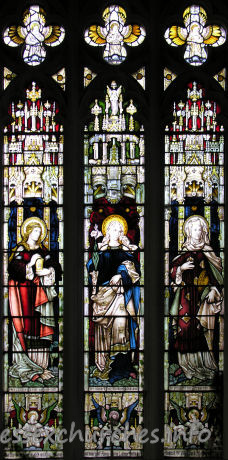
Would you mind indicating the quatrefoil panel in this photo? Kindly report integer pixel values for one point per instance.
(114, 35)
(195, 35)
(34, 35)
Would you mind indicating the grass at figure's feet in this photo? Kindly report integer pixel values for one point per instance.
(16, 383)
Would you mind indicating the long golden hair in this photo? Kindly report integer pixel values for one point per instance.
(24, 240)
(29, 229)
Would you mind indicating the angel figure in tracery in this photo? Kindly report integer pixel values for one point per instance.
(195, 35)
(34, 35)
(33, 425)
(114, 35)
(191, 421)
(114, 93)
(111, 419)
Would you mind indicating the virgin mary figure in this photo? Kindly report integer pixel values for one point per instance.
(197, 281)
(33, 273)
(115, 296)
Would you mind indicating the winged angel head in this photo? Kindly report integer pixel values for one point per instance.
(33, 35)
(114, 35)
(33, 424)
(195, 35)
(193, 420)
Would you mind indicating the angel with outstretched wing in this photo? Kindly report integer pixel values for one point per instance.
(33, 35)
(193, 420)
(114, 35)
(113, 416)
(114, 94)
(196, 36)
(34, 427)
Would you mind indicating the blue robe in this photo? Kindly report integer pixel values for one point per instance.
(110, 264)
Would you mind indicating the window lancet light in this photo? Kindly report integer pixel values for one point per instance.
(114, 279)
(32, 287)
(195, 35)
(194, 276)
(33, 35)
(114, 35)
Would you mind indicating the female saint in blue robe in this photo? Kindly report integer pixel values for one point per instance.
(115, 299)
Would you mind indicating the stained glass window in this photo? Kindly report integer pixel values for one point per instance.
(114, 274)
(194, 276)
(115, 107)
(33, 266)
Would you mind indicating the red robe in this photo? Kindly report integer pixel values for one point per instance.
(26, 295)
(190, 336)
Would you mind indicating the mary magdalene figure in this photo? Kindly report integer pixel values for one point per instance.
(33, 272)
(197, 281)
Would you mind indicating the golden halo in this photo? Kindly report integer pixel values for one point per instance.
(34, 220)
(114, 218)
(195, 216)
(32, 412)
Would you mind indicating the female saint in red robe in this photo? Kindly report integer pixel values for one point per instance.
(197, 282)
(32, 276)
